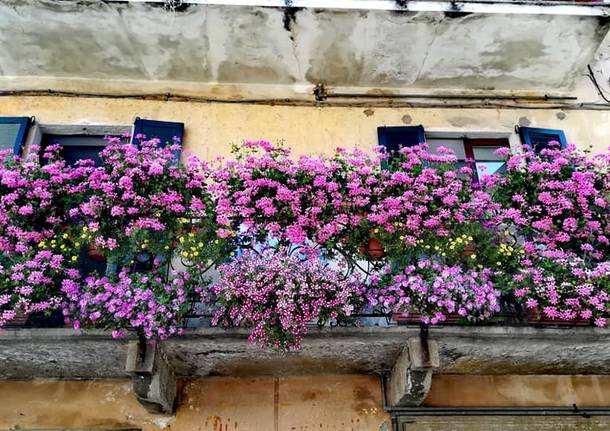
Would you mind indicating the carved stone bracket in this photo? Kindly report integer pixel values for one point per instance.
(409, 382)
(153, 378)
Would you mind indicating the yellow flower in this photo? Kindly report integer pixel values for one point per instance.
(65, 236)
(74, 258)
(166, 247)
(474, 256)
(93, 229)
(216, 241)
(185, 254)
(232, 254)
(85, 229)
(436, 248)
(195, 253)
(200, 244)
(143, 245)
(376, 230)
(402, 238)
(77, 244)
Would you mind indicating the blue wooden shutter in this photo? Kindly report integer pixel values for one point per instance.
(394, 138)
(164, 130)
(538, 139)
(13, 133)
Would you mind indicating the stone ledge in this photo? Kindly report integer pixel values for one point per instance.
(69, 354)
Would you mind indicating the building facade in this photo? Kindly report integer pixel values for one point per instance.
(313, 75)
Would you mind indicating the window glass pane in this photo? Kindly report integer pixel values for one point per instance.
(487, 153)
(489, 168)
(8, 135)
(457, 145)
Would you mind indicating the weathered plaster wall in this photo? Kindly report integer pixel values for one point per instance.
(347, 403)
(202, 47)
(307, 403)
(211, 128)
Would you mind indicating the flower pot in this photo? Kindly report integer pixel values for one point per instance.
(536, 317)
(373, 248)
(20, 319)
(95, 253)
(469, 250)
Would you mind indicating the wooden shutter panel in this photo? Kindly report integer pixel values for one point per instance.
(395, 138)
(164, 130)
(538, 139)
(13, 133)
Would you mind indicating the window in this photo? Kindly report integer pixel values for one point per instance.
(77, 147)
(477, 151)
(479, 154)
(13, 133)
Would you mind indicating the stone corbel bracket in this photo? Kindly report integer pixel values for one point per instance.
(409, 382)
(153, 378)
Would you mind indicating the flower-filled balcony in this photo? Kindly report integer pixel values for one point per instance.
(266, 246)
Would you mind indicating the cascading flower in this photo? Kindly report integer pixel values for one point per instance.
(278, 293)
(435, 291)
(565, 289)
(148, 302)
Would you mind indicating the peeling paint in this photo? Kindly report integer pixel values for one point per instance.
(288, 45)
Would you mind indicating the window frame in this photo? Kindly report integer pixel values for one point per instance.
(472, 139)
(470, 143)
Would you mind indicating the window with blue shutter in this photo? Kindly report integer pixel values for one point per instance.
(394, 138)
(539, 139)
(13, 133)
(77, 147)
(167, 132)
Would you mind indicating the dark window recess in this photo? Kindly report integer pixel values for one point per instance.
(539, 139)
(13, 133)
(395, 138)
(165, 131)
(74, 148)
(77, 147)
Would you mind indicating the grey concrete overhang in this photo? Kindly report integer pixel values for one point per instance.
(64, 353)
(259, 49)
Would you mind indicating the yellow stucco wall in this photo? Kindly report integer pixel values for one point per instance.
(212, 127)
(320, 403)
(518, 391)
